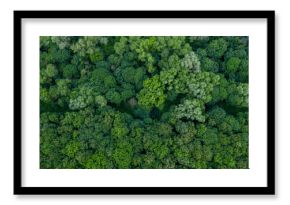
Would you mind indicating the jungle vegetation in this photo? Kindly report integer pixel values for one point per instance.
(143, 102)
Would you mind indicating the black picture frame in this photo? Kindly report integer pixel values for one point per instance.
(268, 190)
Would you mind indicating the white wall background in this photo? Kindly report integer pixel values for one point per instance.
(282, 99)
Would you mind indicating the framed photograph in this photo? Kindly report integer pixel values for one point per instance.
(144, 102)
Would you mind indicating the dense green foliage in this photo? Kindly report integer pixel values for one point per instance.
(143, 102)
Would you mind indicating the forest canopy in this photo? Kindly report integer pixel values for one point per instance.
(143, 102)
